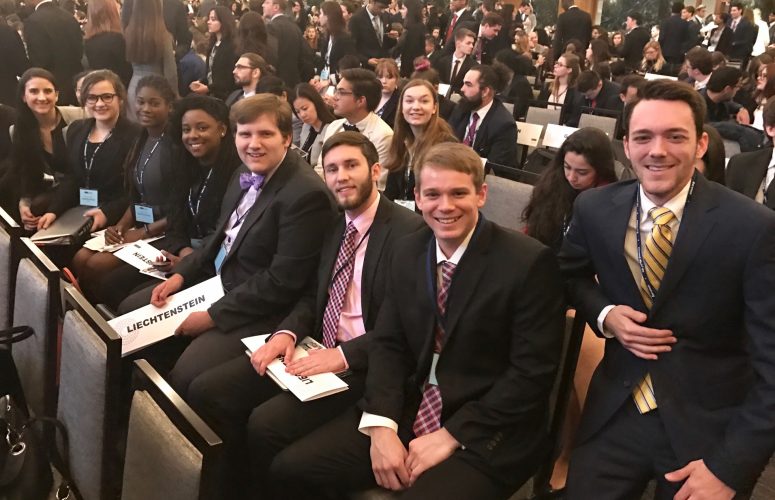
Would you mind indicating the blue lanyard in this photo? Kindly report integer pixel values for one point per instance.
(638, 213)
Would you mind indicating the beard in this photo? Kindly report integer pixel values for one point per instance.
(469, 104)
(363, 192)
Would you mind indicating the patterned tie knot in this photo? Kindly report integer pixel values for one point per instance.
(447, 270)
(661, 215)
(350, 231)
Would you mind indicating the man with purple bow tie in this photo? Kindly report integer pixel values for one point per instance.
(273, 218)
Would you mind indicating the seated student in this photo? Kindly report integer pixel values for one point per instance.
(265, 248)
(96, 147)
(315, 116)
(699, 66)
(751, 173)
(585, 160)
(357, 96)
(595, 93)
(563, 89)
(202, 146)
(453, 66)
(248, 71)
(713, 163)
(519, 91)
(463, 297)
(446, 106)
(630, 88)
(339, 309)
(481, 121)
(387, 72)
(38, 148)
(727, 116)
(149, 172)
(418, 128)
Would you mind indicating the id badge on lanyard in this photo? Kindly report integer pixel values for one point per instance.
(89, 197)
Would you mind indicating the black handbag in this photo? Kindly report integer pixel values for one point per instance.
(25, 469)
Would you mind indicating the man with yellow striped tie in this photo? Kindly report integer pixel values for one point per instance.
(678, 274)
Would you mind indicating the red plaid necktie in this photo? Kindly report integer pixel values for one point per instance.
(343, 274)
(469, 140)
(429, 414)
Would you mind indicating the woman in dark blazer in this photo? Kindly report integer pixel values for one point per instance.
(412, 42)
(387, 72)
(221, 56)
(338, 43)
(104, 44)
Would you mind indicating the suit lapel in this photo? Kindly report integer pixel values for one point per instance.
(380, 229)
(616, 219)
(696, 223)
(757, 171)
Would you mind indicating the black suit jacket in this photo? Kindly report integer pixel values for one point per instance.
(466, 20)
(673, 33)
(390, 223)
(496, 138)
(14, 64)
(294, 62)
(743, 39)
(55, 43)
(746, 171)
(573, 23)
(632, 48)
(222, 66)
(276, 252)
(410, 46)
(444, 67)
(715, 389)
(343, 45)
(366, 42)
(607, 99)
(492, 47)
(499, 354)
(724, 44)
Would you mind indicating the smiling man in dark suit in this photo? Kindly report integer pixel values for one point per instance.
(677, 274)
(463, 356)
(481, 121)
(273, 218)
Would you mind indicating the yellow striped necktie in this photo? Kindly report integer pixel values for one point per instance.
(656, 253)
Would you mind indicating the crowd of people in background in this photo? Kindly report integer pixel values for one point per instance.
(176, 121)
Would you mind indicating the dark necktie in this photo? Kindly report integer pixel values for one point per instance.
(429, 414)
(350, 127)
(337, 288)
(471, 135)
(454, 70)
(310, 139)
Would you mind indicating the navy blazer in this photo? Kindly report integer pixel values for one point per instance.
(496, 138)
(716, 387)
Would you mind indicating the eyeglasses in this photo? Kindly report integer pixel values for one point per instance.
(340, 92)
(240, 66)
(106, 98)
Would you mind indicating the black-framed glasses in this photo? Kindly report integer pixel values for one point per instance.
(240, 66)
(107, 98)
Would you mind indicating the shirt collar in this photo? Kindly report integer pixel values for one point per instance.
(460, 12)
(458, 254)
(482, 112)
(364, 221)
(675, 204)
(772, 159)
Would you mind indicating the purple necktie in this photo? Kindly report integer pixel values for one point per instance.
(248, 180)
(429, 414)
(469, 140)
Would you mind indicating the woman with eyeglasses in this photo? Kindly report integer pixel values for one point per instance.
(563, 88)
(417, 128)
(150, 170)
(96, 148)
(203, 148)
(653, 60)
(315, 115)
(38, 149)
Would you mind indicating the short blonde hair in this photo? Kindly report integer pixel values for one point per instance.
(451, 156)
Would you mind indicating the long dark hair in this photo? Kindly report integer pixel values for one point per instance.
(413, 12)
(228, 25)
(307, 91)
(252, 35)
(27, 146)
(336, 25)
(552, 200)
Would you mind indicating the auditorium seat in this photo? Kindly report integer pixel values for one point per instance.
(605, 123)
(542, 116)
(89, 392)
(36, 304)
(9, 234)
(506, 200)
(171, 453)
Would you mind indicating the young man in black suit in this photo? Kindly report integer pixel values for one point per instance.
(247, 72)
(274, 216)
(371, 33)
(676, 273)
(459, 17)
(54, 42)
(637, 37)
(453, 67)
(743, 34)
(480, 119)
(295, 65)
(463, 297)
(751, 173)
(489, 41)
(574, 23)
(339, 308)
(673, 34)
(595, 93)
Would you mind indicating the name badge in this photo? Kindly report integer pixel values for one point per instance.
(89, 197)
(406, 204)
(220, 258)
(144, 214)
(196, 243)
(432, 375)
(324, 73)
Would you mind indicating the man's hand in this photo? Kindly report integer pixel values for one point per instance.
(280, 344)
(699, 483)
(100, 220)
(429, 451)
(199, 88)
(743, 117)
(164, 290)
(318, 361)
(624, 323)
(46, 220)
(373, 61)
(388, 459)
(29, 221)
(195, 324)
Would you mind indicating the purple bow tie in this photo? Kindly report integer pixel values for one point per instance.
(248, 180)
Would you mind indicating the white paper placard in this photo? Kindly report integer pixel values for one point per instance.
(139, 255)
(150, 324)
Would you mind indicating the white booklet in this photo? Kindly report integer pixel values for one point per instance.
(97, 243)
(141, 255)
(304, 388)
(150, 324)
